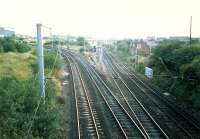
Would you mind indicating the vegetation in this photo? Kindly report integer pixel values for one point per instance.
(13, 44)
(80, 41)
(20, 98)
(177, 66)
(81, 50)
(122, 49)
(17, 65)
(18, 102)
(51, 61)
(123, 45)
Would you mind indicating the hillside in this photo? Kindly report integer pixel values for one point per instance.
(21, 106)
(16, 64)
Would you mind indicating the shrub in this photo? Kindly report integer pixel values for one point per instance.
(178, 65)
(81, 50)
(18, 102)
(22, 47)
(34, 52)
(13, 44)
(51, 60)
(1, 48)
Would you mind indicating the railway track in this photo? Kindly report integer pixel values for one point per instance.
(155, 92)
(150, 127)
(88, 125)
(127, 126)
(175, 123)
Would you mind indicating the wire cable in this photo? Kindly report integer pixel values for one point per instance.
(35, 112)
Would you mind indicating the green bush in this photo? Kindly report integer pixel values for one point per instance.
(123, 46)
(13, 44)
(8, 44)
(34, 51)
(51, 60)
(178, 66)
(141, 68)
(22, 47)
(18, 102)
(81, 50)
(1, 48)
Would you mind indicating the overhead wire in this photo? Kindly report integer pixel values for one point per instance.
(35, 113)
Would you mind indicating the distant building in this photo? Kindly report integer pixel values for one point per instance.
(140, 48)
(99, 42)
(160, 39)
(27, 38)
(180, 38)
(6, 32)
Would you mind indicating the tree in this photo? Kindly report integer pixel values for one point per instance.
(1, 48)
(123, 45)
(81, 41)
(18, 102)
(178, 64)
(13, 44)
(9, 44)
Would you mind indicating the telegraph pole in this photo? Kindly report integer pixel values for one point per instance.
(40, 61)
(190, 30)
(84, 44)
(136, 56)
(59, 46)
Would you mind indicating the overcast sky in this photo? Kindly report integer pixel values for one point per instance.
(103, 18)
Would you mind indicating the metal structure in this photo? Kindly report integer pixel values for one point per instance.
(40, 60)
(190, 30)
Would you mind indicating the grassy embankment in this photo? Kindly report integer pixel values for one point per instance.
(19, 94)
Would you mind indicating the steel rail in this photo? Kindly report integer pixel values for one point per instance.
(76, 102)
(184, 114)
(174, 108)
(172, 118)
(87, 98)
(140, 104)
(114, 98)
(158, 94)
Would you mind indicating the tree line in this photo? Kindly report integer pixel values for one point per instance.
(177, 65)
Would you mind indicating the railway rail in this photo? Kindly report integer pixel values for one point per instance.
(88, 125)
(155, 92)
(175, 123)
(127, 126)
(142, 116)
(136, 108)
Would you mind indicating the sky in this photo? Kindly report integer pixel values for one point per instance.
(103, 18)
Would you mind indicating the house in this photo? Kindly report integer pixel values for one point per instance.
(140, 48)
(180, 38)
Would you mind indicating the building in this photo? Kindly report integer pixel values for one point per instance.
(140, 48)
(29, 39)
(6, 32)
(100, 42)
(180, 38)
